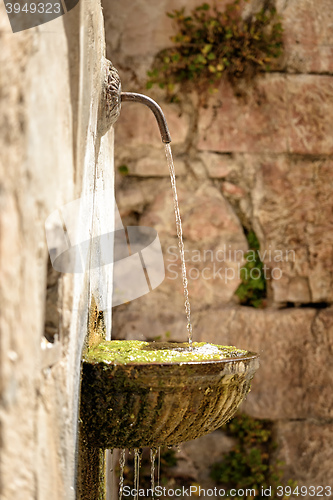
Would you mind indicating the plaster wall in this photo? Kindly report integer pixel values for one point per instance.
(51, 154)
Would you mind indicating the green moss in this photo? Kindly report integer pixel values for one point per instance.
(138, 352)
(210, 43)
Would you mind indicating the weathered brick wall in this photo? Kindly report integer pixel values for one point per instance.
(261, 163)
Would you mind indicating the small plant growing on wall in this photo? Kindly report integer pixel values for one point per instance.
(210, 44)
(252, 291)
(248, 466)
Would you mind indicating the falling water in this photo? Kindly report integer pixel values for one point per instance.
(121, 474)
(158, 465)
(153, 453)
(180, 240)
(137, 463)
(135, 482)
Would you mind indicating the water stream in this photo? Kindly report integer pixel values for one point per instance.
(153, 453)
(121, 474)
(137, 463)
(168, 154)
(158, 465)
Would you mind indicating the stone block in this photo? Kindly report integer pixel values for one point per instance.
(311, 116)
(205, 214)
(306, 450)
(218, 166)
(208, 216)
(279, 114)
(252, 124)
(292, 207)
(212, 234)
(308, 35)
(295, 290)
(295, 345)
(232, 189)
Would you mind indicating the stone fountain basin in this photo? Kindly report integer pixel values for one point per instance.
(135, 405)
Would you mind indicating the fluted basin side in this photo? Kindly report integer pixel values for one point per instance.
(136, 405)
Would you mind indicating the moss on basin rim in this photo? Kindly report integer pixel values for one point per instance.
(135, 351)
(131, 403)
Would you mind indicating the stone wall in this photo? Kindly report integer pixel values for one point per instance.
(51, 149)
(262, 163)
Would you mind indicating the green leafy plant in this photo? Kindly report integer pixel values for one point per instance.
(252, 291)
(210, 44)
(248, 464)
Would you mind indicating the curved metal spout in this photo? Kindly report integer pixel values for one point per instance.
(162, 124)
